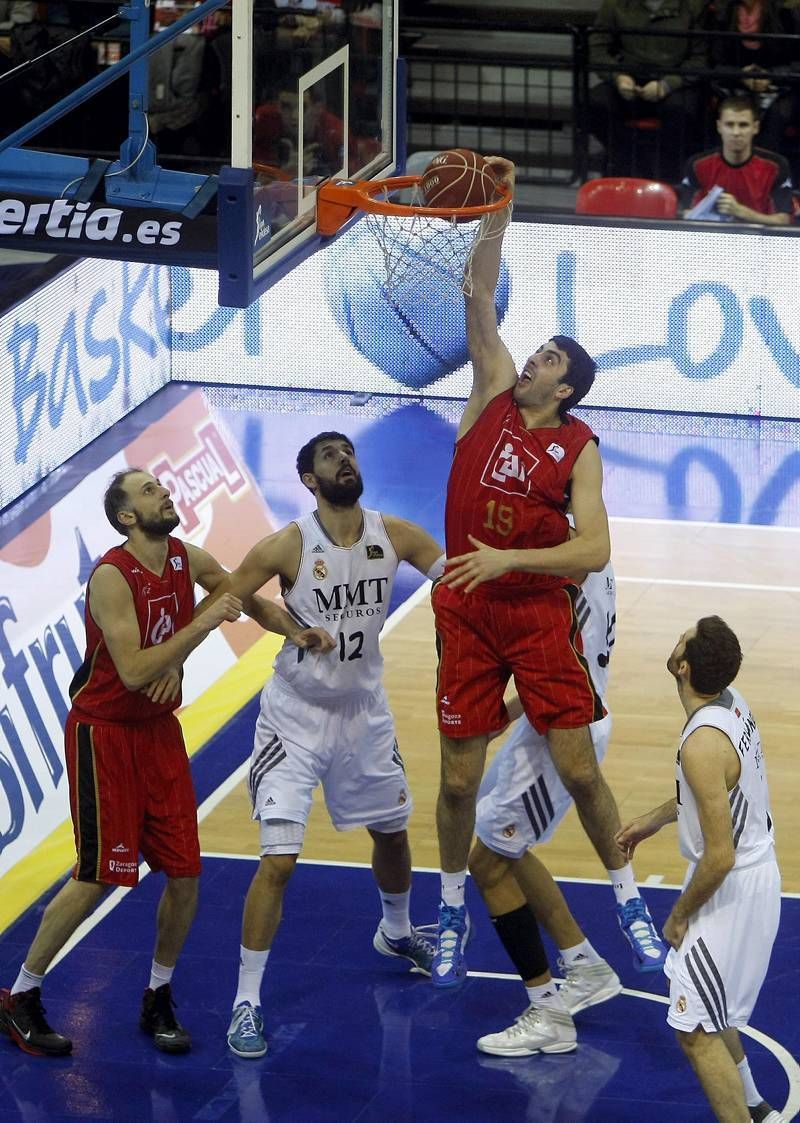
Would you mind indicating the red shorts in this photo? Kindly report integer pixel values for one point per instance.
(534, 636)
(131, 791)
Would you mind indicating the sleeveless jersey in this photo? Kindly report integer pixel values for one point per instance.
(596, 610)
(163, 605)
(508, 487)
(753, 834)
(346, 590)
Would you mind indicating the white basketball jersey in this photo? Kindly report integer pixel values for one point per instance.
(346, 590)
(596, 609)
(753, 834)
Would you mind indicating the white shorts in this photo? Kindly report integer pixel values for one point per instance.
(521, 800)
(350, 749)
(717, 972)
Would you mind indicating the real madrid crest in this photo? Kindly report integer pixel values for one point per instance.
(320, 570)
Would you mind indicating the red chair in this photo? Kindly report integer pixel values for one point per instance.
(625, 197)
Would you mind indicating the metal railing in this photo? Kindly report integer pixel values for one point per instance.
(539, 107)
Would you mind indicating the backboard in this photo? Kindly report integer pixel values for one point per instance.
(314, 97)
(312, 87)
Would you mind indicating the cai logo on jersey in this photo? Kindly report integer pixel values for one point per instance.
(510, 466)
(161, 615)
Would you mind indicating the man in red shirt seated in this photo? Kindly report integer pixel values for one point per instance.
(756, 184)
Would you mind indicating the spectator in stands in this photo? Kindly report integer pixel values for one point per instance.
(275, 136)
(646, 76)
(762, 62)
(756, 184)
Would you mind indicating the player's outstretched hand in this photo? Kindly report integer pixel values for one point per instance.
(629, 836)
(470, 570)
(315, 639)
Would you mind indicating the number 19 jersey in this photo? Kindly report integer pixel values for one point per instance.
(346, 590)
(508, 487)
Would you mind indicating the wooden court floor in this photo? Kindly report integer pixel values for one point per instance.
(668, 575)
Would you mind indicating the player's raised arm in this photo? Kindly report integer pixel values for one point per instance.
(414, 545)
(492, 365)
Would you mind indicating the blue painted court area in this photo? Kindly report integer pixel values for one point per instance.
(353, 1036)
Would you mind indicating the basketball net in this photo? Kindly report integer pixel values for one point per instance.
(422, 249)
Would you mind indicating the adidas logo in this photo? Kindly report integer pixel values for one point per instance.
(318, 549)
(270, 801)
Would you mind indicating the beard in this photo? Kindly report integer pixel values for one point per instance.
(158, 527)
(341, 493)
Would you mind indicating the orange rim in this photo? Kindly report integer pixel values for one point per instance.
(337, 202)
(271, 170)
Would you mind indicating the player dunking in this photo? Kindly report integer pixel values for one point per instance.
(326, 719)
(129, 780)
(723, 925)
(506, 605)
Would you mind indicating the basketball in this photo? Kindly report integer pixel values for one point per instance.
(458, 178)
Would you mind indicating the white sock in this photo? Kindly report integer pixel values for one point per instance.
(751, 1093)
(624, 884)
(546, 996)
(579, 955)
(453, 888)
(396, 923)
(26, 980)
(251, 972)
(159, 975)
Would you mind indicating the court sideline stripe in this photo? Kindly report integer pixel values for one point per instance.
(224, 855)
(737, 585)
(702, 525)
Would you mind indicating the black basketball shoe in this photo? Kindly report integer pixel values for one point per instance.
(22, 1019)
(158, 1019)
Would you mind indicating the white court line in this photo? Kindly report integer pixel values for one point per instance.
(781, 1055)
(704, 525)
(654, 882)
(708, 584)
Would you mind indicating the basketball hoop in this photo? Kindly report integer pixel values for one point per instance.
(417, 241)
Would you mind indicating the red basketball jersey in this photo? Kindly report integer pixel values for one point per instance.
(508, 487)
(163, 605)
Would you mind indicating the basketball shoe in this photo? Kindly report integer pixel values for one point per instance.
(449, 967)
(649, 950)
(246, 1031)
(537, 1030)
(587, 984)
(158, 1020)
(415, 948)
(22, 1019)
(764, 1113)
